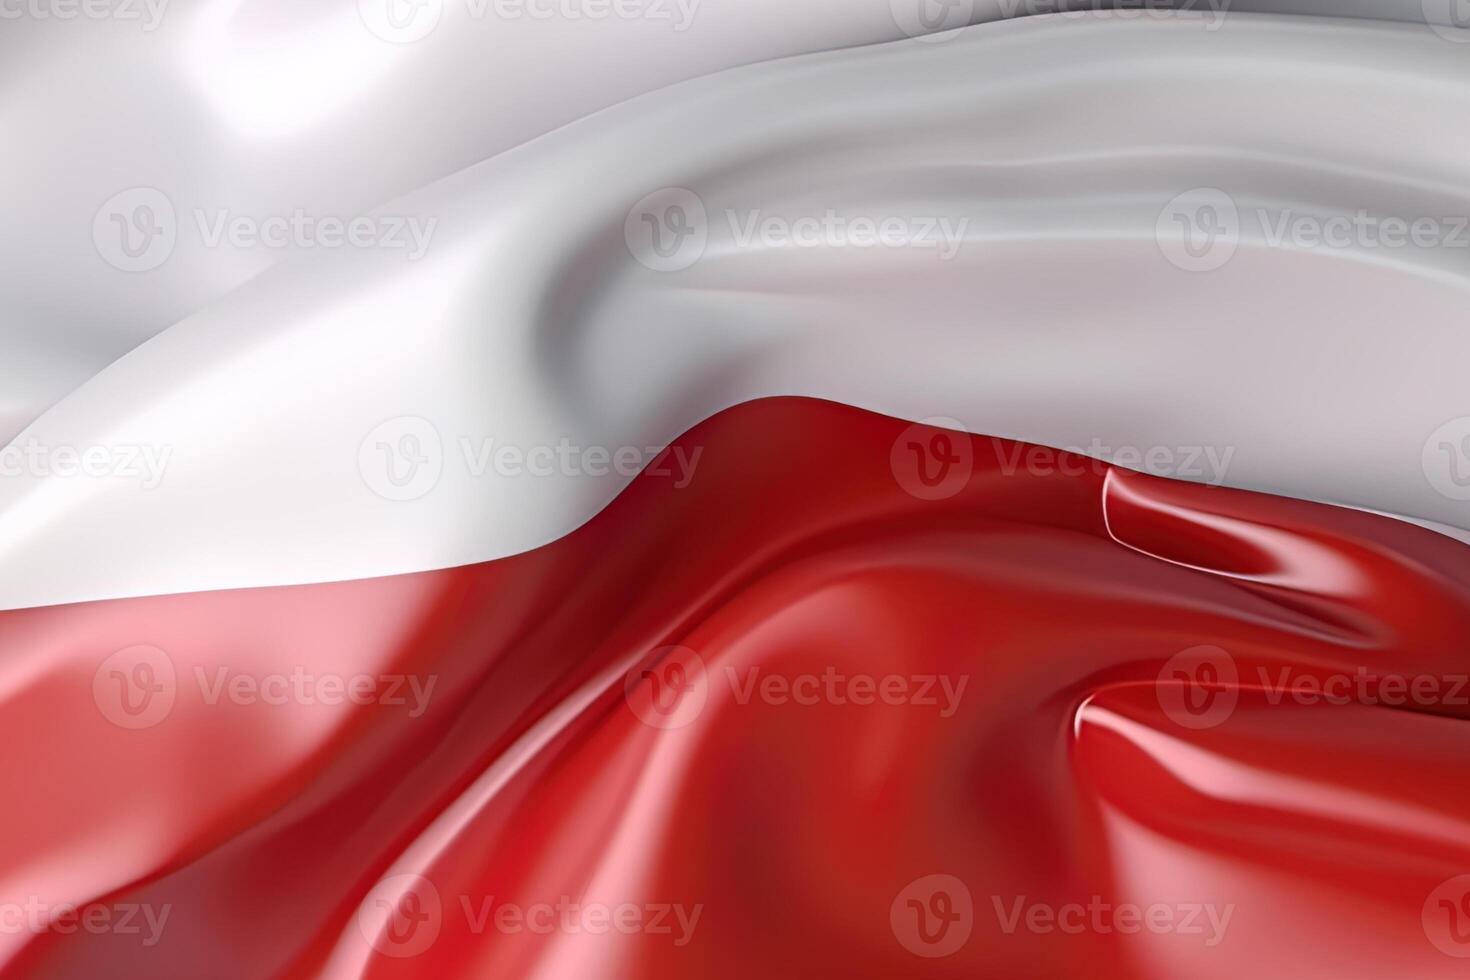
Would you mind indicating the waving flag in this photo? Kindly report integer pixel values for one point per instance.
(665, 488)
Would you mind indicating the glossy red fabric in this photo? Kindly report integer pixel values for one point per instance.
(863, 699)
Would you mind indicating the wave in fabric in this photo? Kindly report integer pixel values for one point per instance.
(1044, 292)
(856, 699)
(266, 107)
(613, 489)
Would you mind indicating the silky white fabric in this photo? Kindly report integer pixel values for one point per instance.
(263, 107)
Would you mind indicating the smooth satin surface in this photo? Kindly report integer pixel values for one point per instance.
(264, 107)
(852, 488)
(1103, 700)
(1050, 147)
